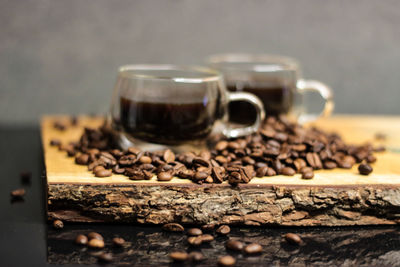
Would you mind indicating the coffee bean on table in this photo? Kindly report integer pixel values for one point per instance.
(81, 240)
(253, 248)
(98, 168)
(307, 175)
(206, 238)
(196, 256)
(195, 240)
(173, 227)
(96, 243)
(145, 160)
(18, 193)
(103, 173)
(371, 159)
(223, 230)
(293, 239)
(164, 176)
(234, 245)
(208, 227)
(179, 256)
(288, 171)
(82, 159)
(169, 156)
(26, 177)
(199, 176)
(105, 257)
(221, 145)
(194, 232)
(364, 169)
(58, 224)
(226, 261)
(118, 241)
(94, 235)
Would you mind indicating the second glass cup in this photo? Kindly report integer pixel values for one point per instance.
(174, 105)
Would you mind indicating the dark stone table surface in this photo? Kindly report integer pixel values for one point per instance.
(26, 239)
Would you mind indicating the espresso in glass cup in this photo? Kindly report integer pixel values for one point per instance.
(154, 106)
(276, 80)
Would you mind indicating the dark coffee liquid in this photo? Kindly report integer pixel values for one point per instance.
(168, 123)
(276, 99)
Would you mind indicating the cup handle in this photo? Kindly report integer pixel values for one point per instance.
(304, 86)
(233, 132)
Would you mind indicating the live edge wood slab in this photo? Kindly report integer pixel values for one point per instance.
(332, 198)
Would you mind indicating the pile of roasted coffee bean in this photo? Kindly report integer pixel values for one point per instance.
(280, 147)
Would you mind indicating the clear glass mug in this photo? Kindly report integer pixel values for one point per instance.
(154, 106)
(276, 80)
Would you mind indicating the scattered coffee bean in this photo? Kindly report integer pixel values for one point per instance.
(82, 159)
(196, 256)
(26, 177)
(253, 248)
(330, 165)
(223, 230)
(179, 256)
(118, 241)
(221, 145)
(94, 235)
(105, 257)
(206, 238)
(103, 173)
(293, 239)
(18, 193)
(173, 227)
(96, 243)
(288, 171)
(145, 160)
(164, 176)
(208, 227)
(364, 169)
(169, 156)
(58, 224)
(371, 159)
(81, 240)
(194, 232)
(226, 261)
(307, 175)
(195, 240)
(234, 245)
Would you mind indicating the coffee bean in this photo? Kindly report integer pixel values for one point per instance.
(145, 160)
(330, 165)
(233, 145)
(94, 235)
(371, 159)
(206, 238)
(293, 239)
(173, 227)
(118, 170)
(58, 224)
(98, 168)
(261, 172)
(253, 248)
(81, 240)
(234, 245)
(201, 162)
(96, 243)
(226, 261)
(55, 142)
(194, 232)
(223, 230)
(208, 227)
(364, 169)
(314, 160)
(179, 256)
(25, 177)
(18, 193)
(82, 159)
(307, 175)
(221, 159)
(196, 256)
(216, 175)
(221, 145)
(118, 241)
(288, 171)
(164, 176)
(195, 240)
(103, 173)
(169, 156)
(199, 176)
(105, 257)
(271, 172)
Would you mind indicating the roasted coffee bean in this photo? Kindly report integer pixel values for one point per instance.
(147, 166)
(221, 159)
(271, 172)
(208, 227)
(234, 178)
(55, 142)
(233, 145)
(134, 150)
(249, 160)
(96, 243)
(94, 235)
(164, 176)
(196, 256)
(199, 176)
(226, 261)
(98, 168)
(261, 172)
(201, 162)
(58, 224)
(314, 160)
(118, 170)
(206, 238)
(371, 159)
(173, 227)
(293, 239)
(223, 230)
(18, 193)
(179, 256)
(364, 169)
(288, 171)
(216, 175)
(234, 245)
(118, 241)
(105, 257)
(253, 248)
(169, 156)
(330, 165)
(82, 159)
(194, 232)
(59, 126)
(299, 163)
(81, 240)
(307, 175)
(221, 145)
(25, 177)
(195, 240)
(145, 160)
(103, 173)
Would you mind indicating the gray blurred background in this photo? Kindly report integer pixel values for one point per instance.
(62, 56)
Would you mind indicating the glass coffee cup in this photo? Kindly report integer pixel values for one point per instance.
(276, 80)
(155, 106)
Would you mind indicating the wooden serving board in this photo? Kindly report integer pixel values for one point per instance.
(333, 197)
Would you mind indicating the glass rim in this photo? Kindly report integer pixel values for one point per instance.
(210, 75)
(257, 62)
